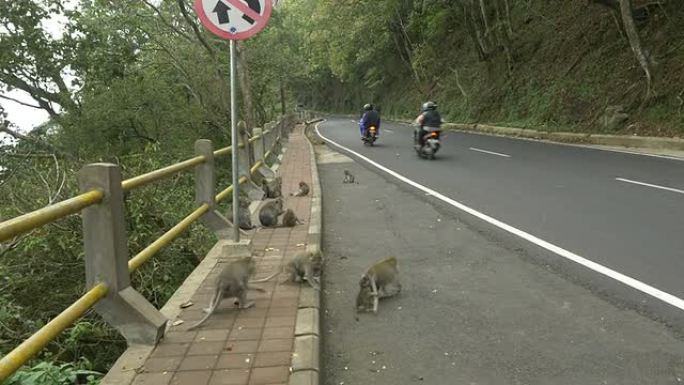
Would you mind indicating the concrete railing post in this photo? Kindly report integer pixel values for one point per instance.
(259, 155)
(284, 129)
(253, 191)
(205, 191)
(272, 143)
(106, 255)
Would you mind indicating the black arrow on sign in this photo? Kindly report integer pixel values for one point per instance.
(221, 10)
(255, 6)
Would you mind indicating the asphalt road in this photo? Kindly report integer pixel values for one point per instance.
(566, 195)
(471, 311)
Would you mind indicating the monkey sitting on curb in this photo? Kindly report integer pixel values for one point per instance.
(305, 266)
(290, 219)
(303, 190)
(274, 188)
(270, 211)
(244, 217)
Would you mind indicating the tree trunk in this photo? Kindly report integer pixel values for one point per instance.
(472, 31)
(509, 24)
(485, 22)
(245, 87)
(283, 109)
(635, 43)
(246, 92)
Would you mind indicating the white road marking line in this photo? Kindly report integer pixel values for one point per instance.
(489, 152)
(388, 130)
(650, 185)
(587, 146)
(608, 272)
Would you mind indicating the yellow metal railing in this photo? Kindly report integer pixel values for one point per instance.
(228, 191)
(29, 348)
(165, 239)
(27, 222)
(142, 180)
(24, 223)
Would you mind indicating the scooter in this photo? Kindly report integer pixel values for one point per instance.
(370, 137)
(431, 144)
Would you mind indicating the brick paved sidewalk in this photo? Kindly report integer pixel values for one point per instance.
(241, 347)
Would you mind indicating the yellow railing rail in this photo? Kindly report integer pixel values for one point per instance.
(229, 190)
(27, 222)
(29, 348)
(153, 176)
(223, 151)
(256, 166)
(165, 239)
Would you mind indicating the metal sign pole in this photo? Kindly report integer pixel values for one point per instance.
(234, 143)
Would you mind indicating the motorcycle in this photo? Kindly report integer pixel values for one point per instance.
(371, 136)
(431, 144)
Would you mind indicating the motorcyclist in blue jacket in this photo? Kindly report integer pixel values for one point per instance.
(370, 117)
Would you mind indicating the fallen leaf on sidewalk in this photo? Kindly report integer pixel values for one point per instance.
(185, 305)
(301, 244)
(178, 322)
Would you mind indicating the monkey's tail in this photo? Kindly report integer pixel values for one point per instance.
(212, 306)
(270, 277)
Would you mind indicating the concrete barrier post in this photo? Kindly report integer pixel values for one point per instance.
(205, 191)
(259, 154)
(106, 255)
(253, 191)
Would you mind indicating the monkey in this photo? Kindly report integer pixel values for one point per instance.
(274, 188)
(348, 177)
(375, 282)
(233, 282)
(270, 211)
(290, 219)
(303, 190)
(244, 216)
(305, 266)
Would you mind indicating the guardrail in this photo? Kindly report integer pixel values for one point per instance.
(108, 266)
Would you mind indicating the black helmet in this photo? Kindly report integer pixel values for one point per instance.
(429, 106)
(367, 107)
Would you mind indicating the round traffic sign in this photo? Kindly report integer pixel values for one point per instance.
(234, 19)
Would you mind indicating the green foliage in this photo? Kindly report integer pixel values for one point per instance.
(46, 373)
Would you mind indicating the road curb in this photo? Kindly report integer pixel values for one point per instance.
(305, 364)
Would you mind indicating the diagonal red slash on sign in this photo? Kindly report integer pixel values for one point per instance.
(244, 9)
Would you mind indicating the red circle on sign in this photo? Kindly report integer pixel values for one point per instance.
(256, 28)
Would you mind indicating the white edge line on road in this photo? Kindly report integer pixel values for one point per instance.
(489, 152)
(608, 272)
(650, 185)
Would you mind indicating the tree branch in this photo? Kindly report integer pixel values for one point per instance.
(7, 130)
(20, 102)
(198, 33)
(166, 22)
(635, 43)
